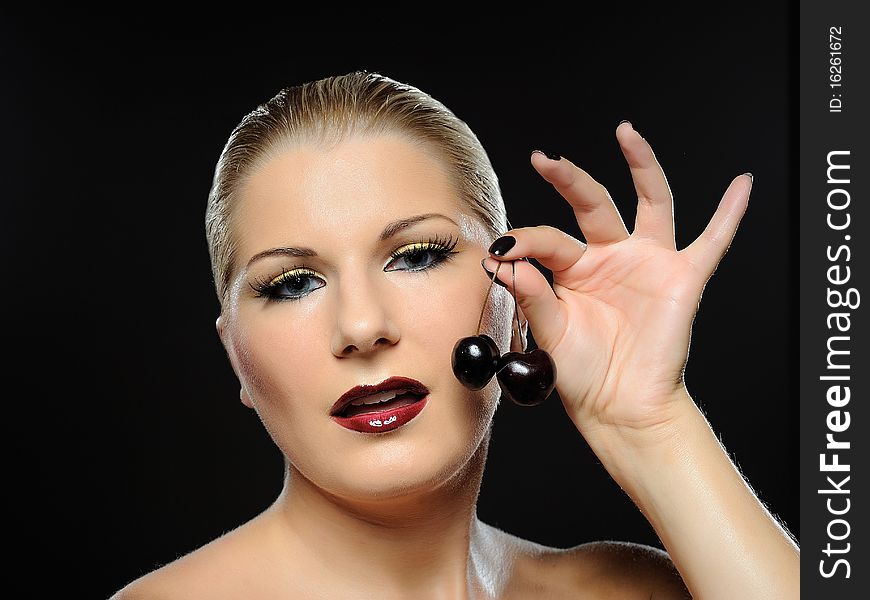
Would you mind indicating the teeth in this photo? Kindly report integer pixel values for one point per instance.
(378, 397)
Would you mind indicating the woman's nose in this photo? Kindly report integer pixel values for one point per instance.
(363, 320)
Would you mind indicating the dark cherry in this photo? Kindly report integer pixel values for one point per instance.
(475, 360)
(526, 378)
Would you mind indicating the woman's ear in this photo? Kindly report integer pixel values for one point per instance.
(220, 325)
(245, 397)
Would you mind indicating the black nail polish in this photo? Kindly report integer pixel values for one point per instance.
(501, 246)
(550, 155)
(490, 274)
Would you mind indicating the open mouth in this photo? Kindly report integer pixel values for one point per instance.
(381, 407)
(380, 402)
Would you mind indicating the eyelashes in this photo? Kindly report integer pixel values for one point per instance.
(292, 284)
(290, 279)
(442, 248)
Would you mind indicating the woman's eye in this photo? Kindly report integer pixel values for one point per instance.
(417, 259)
(291, 285)
(412, 260)
(298, 283)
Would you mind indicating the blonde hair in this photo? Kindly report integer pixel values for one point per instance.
(328, 111)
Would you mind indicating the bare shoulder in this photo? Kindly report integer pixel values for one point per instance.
(193, 575)
(593, 570)
(626, 570)
(208, 572)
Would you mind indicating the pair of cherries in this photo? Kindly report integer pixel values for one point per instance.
(525, 378)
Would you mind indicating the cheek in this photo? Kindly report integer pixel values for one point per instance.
(454, 312)
(277, 357)
(447, 315)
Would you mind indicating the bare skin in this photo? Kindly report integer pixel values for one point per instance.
(394, 517)
(496, 565)
(595, 570)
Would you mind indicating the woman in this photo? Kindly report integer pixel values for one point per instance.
(345, 224)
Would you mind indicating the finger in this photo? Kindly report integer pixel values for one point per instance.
(655, 203)
(535, 297)
(552, 247)
(709, 248)
(596, 214)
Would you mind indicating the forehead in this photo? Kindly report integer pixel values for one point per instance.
(360, 184)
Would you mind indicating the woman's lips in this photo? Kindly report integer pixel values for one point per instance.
(397, 401)
(383, 420)
(391, 383)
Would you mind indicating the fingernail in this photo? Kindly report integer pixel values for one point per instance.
(501, 246)
(550, 155)
(751, 176)
(491, 275)
(625, 121)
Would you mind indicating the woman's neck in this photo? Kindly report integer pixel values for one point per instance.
(425, 545)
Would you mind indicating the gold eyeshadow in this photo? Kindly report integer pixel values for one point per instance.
(441, 248)
(295, 272)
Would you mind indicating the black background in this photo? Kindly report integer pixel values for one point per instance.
(129, 446)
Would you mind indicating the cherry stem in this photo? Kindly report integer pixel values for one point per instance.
(494, 275)
(513, 291)
(516, 304)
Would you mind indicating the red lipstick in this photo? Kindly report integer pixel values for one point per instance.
(381, 407)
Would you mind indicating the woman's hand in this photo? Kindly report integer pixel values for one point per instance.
(617, 320)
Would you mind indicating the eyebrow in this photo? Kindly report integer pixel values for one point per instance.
(389, 231)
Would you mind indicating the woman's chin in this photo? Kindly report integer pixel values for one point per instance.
(399, 472)
(400, 469)
(420, 457)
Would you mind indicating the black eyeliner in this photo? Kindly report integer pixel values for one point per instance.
(441, 247)
(267, 287)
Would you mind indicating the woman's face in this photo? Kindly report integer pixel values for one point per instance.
(357, 313)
